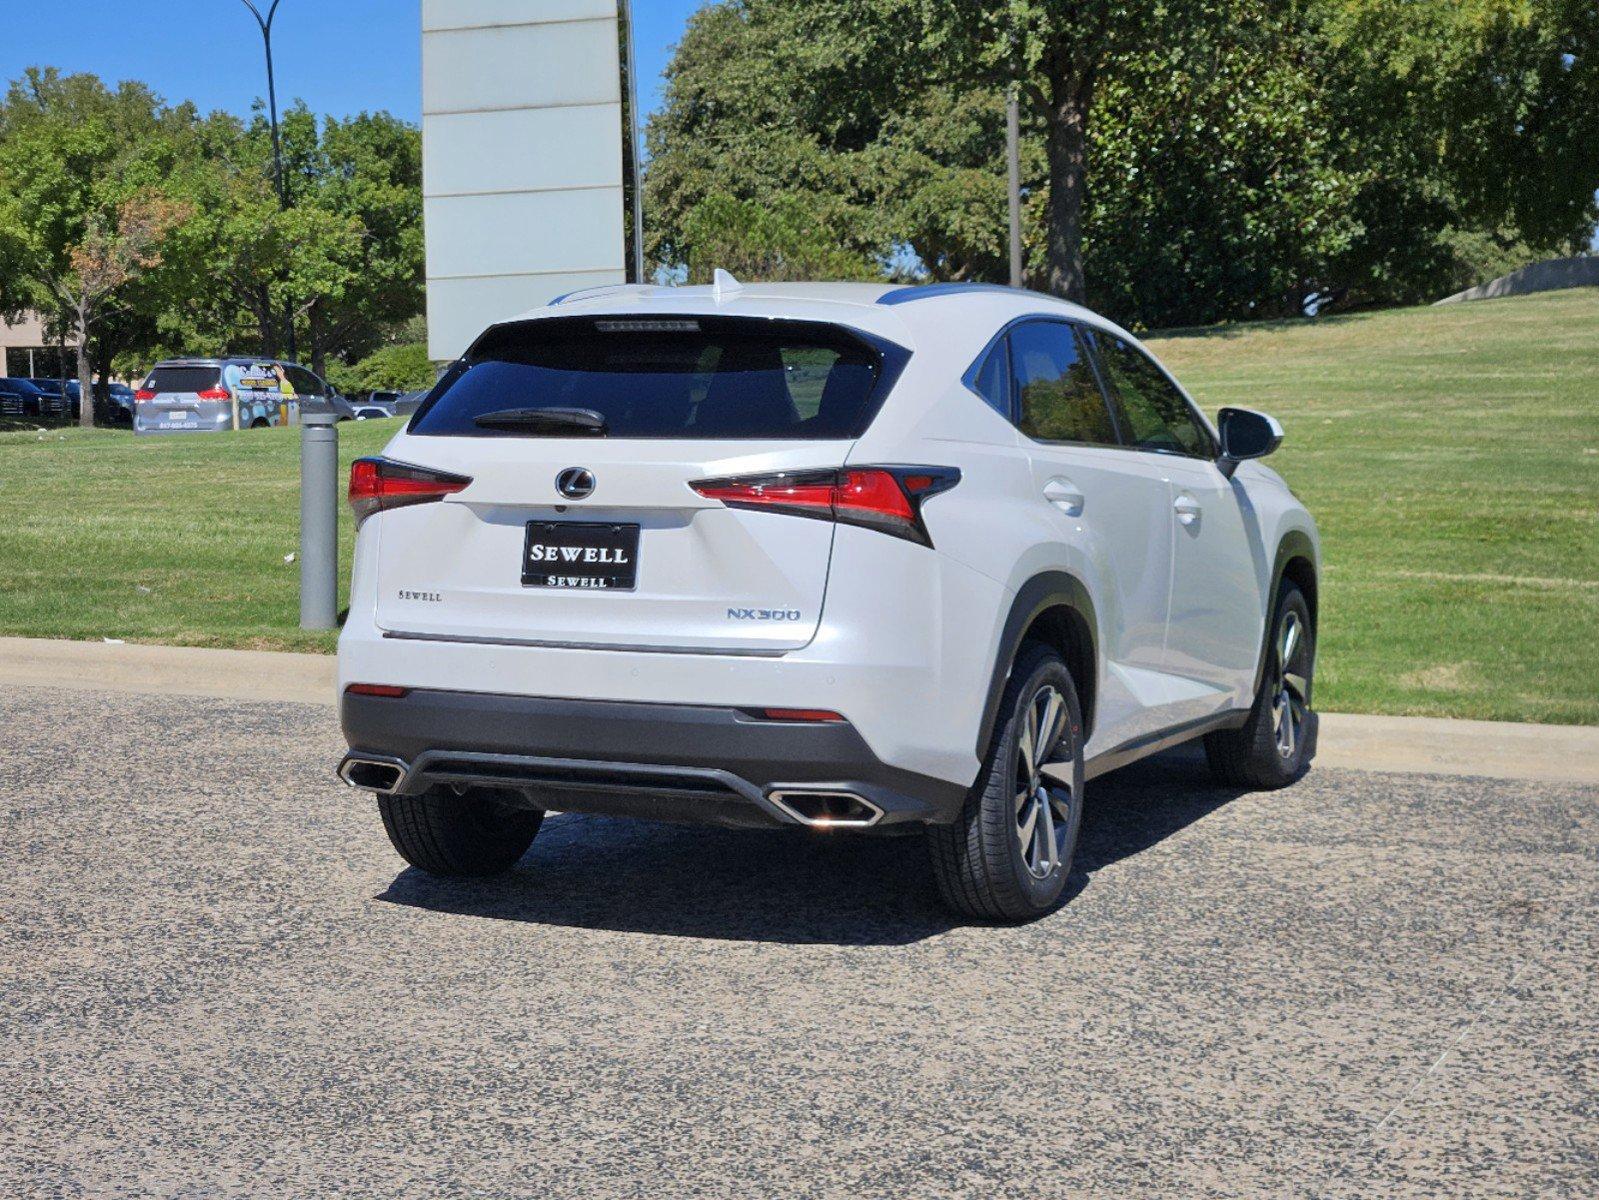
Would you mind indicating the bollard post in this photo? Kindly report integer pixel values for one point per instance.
(319, 520)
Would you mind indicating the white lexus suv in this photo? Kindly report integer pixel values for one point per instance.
(842, 556)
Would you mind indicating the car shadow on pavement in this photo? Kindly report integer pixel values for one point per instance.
(1140, 806)
(788, 886)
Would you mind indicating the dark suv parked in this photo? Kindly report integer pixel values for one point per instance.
(31, 400)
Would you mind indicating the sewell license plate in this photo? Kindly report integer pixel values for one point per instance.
(580, 554)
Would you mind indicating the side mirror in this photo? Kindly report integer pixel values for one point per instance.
(1245, 434)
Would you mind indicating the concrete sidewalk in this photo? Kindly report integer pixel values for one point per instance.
(169, 670)
(1431, 745)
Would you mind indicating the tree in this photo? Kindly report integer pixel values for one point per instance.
(1219, 191)
(778, 240)
(735, 129)
(842, 84)
(365, 174)
(1183, 162)
(1062, 59)
(85, 212)
(344, 261)
(115, 250)
(1480, 117)
(401, 367)
(136, 228)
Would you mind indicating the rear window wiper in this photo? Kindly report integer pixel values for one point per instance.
(584, 421)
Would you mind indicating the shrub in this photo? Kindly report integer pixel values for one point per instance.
(400, 368)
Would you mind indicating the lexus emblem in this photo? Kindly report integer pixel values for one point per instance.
(575, 483)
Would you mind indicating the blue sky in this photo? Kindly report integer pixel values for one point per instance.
(339, 56)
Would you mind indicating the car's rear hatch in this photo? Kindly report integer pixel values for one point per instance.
(631, 555)
(182, 397)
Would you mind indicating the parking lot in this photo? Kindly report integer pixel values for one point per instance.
(217, 979)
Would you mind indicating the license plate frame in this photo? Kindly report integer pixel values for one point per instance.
(605, 558)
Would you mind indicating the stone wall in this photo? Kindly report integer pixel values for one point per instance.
(1550, 276)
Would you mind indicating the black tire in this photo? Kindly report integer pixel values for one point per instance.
(980, 863)
(1259, 755)
(471, 833)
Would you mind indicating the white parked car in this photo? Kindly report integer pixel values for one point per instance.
(844, 556)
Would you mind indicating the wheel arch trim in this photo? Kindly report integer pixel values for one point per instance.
(1295, 544)
(1043, 592)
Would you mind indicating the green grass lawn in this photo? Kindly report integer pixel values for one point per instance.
(175, 539)
(1450, 455)
(1451, 458)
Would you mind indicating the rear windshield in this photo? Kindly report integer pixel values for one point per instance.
(705, 377)
(182, 379)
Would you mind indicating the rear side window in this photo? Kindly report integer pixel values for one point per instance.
(993, 379)
(1059, 398)
(182, 379)
(256, 377)
(1155, 413)
(704, 377)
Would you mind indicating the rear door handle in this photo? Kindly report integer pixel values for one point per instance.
(1064, 495)
(1188, 510)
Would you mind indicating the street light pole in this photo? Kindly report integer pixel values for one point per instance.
(1013, 189)
(277, 142)
(636, 166)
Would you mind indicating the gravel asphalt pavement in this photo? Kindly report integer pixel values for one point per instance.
(216, 980)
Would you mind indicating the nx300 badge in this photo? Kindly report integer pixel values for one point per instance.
(763, 614)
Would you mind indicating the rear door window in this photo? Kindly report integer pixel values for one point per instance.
(182, 379)
(1155, 414)
(703, 377)
(1057, 395)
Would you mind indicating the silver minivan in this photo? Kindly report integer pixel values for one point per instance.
(204, 395)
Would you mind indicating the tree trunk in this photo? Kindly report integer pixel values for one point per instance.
(85, 384)
(103, 353)
(102, 381)
(317, 353)
(264, 321)
(1068, 174)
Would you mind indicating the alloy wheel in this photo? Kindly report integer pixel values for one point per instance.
(1043, 805)
(1291, 696)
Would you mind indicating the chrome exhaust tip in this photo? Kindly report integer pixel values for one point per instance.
(375, 774)
(827, 808)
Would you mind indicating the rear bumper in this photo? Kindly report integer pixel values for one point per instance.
(151, 429)
(708, 764)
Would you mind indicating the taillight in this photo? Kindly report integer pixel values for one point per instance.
(143, 396)
(377, 484)
(215, 393)
(888, 499)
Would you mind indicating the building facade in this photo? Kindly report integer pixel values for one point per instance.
(24, 350)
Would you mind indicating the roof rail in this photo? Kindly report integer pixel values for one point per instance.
(927, 291)
(597, 290)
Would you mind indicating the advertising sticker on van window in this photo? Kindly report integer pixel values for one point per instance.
(258, 377)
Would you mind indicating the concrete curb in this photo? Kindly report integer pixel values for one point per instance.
(1430, 745)
(1440, 746)
(169, 670)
